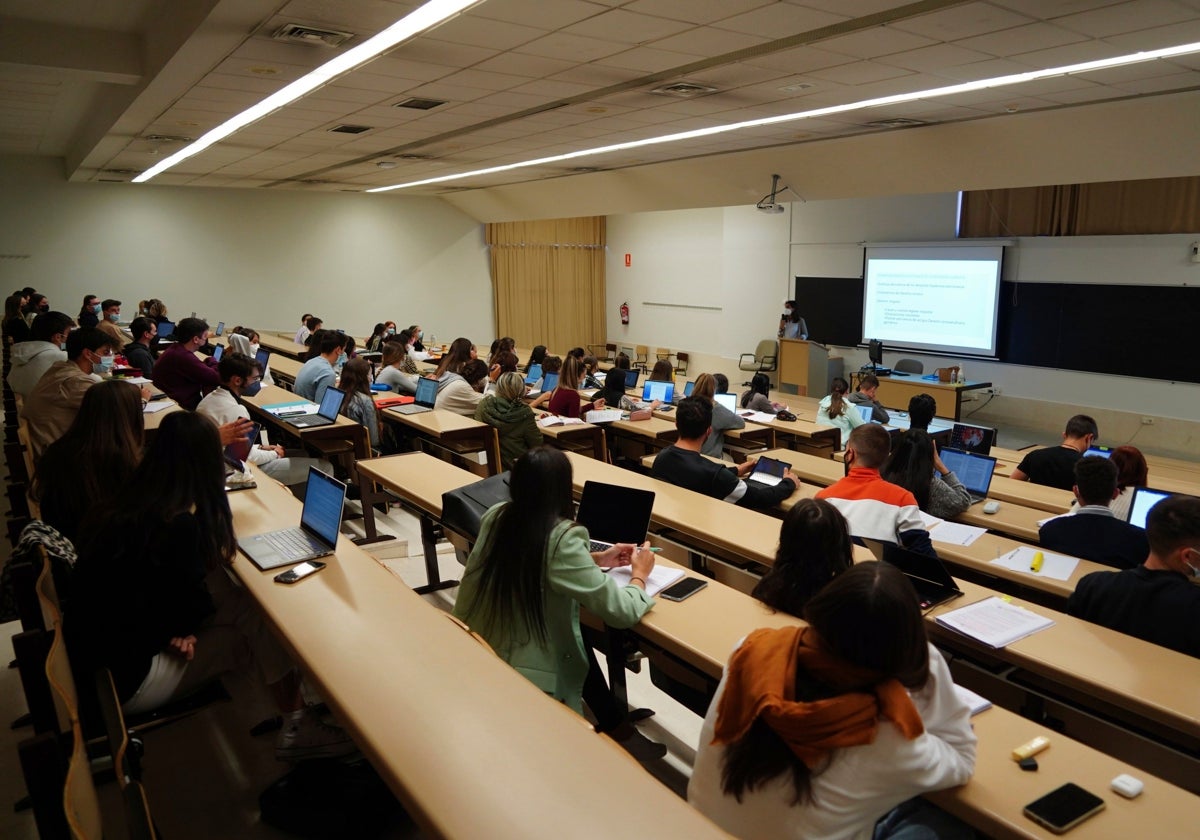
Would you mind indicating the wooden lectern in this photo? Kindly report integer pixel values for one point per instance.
(804, 365)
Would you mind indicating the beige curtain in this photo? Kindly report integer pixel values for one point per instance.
(548, 281)
(1157, 205)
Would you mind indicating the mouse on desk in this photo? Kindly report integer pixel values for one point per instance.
(991, 507)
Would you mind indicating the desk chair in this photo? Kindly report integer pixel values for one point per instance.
(909, 366)
(763, 359)
(681, 362)
(641, 358)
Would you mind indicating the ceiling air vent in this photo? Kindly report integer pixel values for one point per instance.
(296, 33)
(413, 156)
(350, 129)
(684, 90)
(420, 104)
(896, 122)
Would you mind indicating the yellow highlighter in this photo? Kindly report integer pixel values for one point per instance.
(1036, 564)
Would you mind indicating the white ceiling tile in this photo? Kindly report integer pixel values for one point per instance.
(554, 89)
(1185, 32)
(1079, 96)
(473, 78)
(529, 66)
(1161, 84)
(492, 34)
(961, 21)
(708, 41)
(620, 25)
(538, 13)
(1022, 39)
(515, 101)
(1067, 55)
(872, 43)
(1043, 10)
(932, 59)
(800, 60)
(575, 48)
(695, 11)
(1126, 17)
(728, 76)
(779, 20)
(435, 51)
(984, 70)
(860, 72)
(597, 75)
(648, 60)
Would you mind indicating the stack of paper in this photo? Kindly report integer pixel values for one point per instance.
(605, 415)
(554, 420)
(976, 702)
(294, 408)
(757, 416)
(660, 578)
(995, 622)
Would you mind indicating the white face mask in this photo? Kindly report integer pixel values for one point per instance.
(253, 349)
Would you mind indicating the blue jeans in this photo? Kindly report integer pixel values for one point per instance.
(917, 819)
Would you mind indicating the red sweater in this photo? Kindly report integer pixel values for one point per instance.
(565, 403)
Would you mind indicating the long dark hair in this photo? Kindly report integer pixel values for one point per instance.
(614, 388)
(356, 379)
(98, 452)
(536, 356)
(868, 617)
(814, 548)
(760, 383)
(911, 465)
(458, 355)
(183, 471)
(1131, 467)
(512, 575)
(837, 390)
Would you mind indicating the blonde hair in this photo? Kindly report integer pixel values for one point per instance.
(706, 386)
(510, 386)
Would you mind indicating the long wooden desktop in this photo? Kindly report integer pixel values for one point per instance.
(897, 390)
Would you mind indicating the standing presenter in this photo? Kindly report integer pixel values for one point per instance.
(791, 325)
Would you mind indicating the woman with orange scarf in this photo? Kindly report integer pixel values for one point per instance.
(822, 731)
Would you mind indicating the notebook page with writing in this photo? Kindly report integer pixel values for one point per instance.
(995, 622)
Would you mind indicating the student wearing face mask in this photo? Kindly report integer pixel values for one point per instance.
(791, 325)
(110, 316)
(53, 403)
(318, 373)
(137, 352)
(36, 304)
(1158, 600)
(241, 377)
(89, 313)
(178, 371)
(31, 359)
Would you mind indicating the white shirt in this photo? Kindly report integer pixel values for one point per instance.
(222, 407)
(859, 785)
(418, 355)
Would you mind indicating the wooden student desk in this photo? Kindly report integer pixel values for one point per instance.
(898, 390)
(450, 432)
(395, 670)
(282, 346)
(575, 437)
(702, 631)
(342, 429)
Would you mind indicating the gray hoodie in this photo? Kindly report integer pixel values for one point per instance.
(30, 359)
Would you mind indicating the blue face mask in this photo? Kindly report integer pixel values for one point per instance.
(391, 331)
(341, 360)
(103, 366)
(252, 389)
(96, 308)
(114, 317)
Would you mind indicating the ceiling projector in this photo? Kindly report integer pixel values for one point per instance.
(768, 204)
(770, 207)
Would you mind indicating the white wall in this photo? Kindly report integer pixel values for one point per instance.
(257, 257)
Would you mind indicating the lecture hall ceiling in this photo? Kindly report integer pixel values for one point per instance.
(113, 86)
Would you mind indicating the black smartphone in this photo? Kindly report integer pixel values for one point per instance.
(666, 408)
(685, 588)
(300, 572)
(1062, 809)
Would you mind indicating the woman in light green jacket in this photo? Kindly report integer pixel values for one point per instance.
(530, 571)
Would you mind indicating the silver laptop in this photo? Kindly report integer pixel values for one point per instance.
(727, 400)
(425, 397)
(768, 471)
(973, 470)
(327, 412)
(318, 532)
(664, 392)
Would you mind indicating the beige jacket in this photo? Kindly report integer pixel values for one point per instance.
(53, 403)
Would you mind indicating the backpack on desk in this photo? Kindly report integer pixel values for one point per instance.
(463, 509)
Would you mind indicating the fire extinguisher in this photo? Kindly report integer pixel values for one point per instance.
(625, 313)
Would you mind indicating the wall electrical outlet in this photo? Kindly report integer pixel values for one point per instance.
(1147, 421)
(994, 391)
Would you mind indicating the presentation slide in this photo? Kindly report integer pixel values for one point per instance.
(938, 298)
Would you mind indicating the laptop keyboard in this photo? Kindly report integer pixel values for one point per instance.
(599, 546)
(293, 543)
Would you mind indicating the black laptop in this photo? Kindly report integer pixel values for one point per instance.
(327, 412)
(614, 514)
(926, 573)
(317, 534)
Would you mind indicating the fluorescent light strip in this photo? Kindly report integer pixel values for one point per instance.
(933, 93)
(427, 16)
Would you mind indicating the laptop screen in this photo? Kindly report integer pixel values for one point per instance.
(166, 329)
(323, 499)
(974, 471)
(970, 438)
(687, 389)
(661, 391)
(631, 378)
(921, 567)
(1102, 451)
(613, 513)
(865, 412)
(533, 375)
(426, 394)
(1143, 499)
(331, 403)
(727, 400)
(262, 356)
(549, 382)
(218, 352)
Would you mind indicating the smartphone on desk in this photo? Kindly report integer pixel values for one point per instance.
(1064, 808)
(300, 572)
(684, 589)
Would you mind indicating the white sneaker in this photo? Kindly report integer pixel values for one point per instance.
(305, 735)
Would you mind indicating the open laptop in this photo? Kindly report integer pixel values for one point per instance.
(327, 412)
(318, 531)
(1144, 498)
(614, 514)
(727, 400)
(768, 471)
(926, 573)
(263, 356)
(664, 392)
(165, 329)
(533, 375)
(866, 412)
(1102, 451)
(968, 438)
(631, 378)
(973, 470)
(688, 387)
(425, 397)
